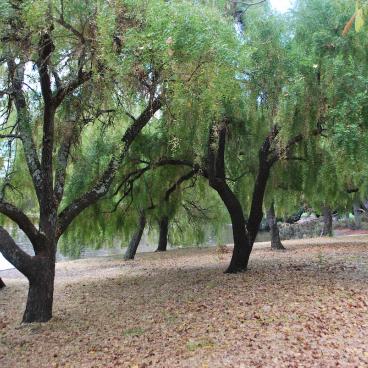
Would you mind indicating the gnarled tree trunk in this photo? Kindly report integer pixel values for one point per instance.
(274, 229)
(134, 242)
(164, 229)
(327, 221)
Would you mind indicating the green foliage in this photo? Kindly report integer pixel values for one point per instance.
(295, 72)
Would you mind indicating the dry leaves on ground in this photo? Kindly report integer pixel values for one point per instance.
(306, 307)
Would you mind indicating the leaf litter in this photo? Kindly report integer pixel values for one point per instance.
(305, 307)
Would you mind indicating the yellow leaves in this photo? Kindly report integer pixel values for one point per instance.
(359, 19)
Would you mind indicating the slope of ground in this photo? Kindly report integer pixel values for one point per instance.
(306, 307)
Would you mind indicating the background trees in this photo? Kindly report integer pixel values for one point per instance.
(151, 105)
(67, 68)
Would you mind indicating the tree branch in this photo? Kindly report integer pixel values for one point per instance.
(16, 73)
(70, 87)
(103, 184)
(22, 220)
(11, 251)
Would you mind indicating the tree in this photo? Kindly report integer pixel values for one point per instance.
(89, 64)
(134, 242)
(274, 229)
(69, 73)
(327, 221)
(340, 178)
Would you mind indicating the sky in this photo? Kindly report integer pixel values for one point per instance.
(281, 5)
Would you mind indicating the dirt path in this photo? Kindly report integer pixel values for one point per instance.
(306, 307)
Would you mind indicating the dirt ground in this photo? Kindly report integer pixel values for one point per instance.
(305, 307)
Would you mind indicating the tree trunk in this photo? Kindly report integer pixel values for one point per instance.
(327, 221)
(256, 210)
(134, 242)
(2, 284)
(274, 229)
(357, 215)
(40, 293)
(164, 229)
(242, 245)
(39, 270)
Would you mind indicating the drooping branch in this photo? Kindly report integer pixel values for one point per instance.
(12, 253)
(22, 220)
(70, 87)
(277, 154)
(178, 182)
(104, 183)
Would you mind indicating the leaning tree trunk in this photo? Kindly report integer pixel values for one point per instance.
(242, 245)
(164, 229)
(217, 180)
(327, 221)
(274, 229)
(2, 284)
(134, 242)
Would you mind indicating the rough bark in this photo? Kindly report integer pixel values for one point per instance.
(40, 272)
(41, 291)
(164, 229)
(134, 242)
(274, 229)
(2, 284)
(327, 221)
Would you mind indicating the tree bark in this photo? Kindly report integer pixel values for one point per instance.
(164, 229)
(357, 215)
(134, 242)
(327, 221)
(41, 292)
(217, 180)
(242, 245)
(264, 169)
(40, 272)
(274, 229)
(2, 284)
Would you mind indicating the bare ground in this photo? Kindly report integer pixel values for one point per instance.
(306, 307)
